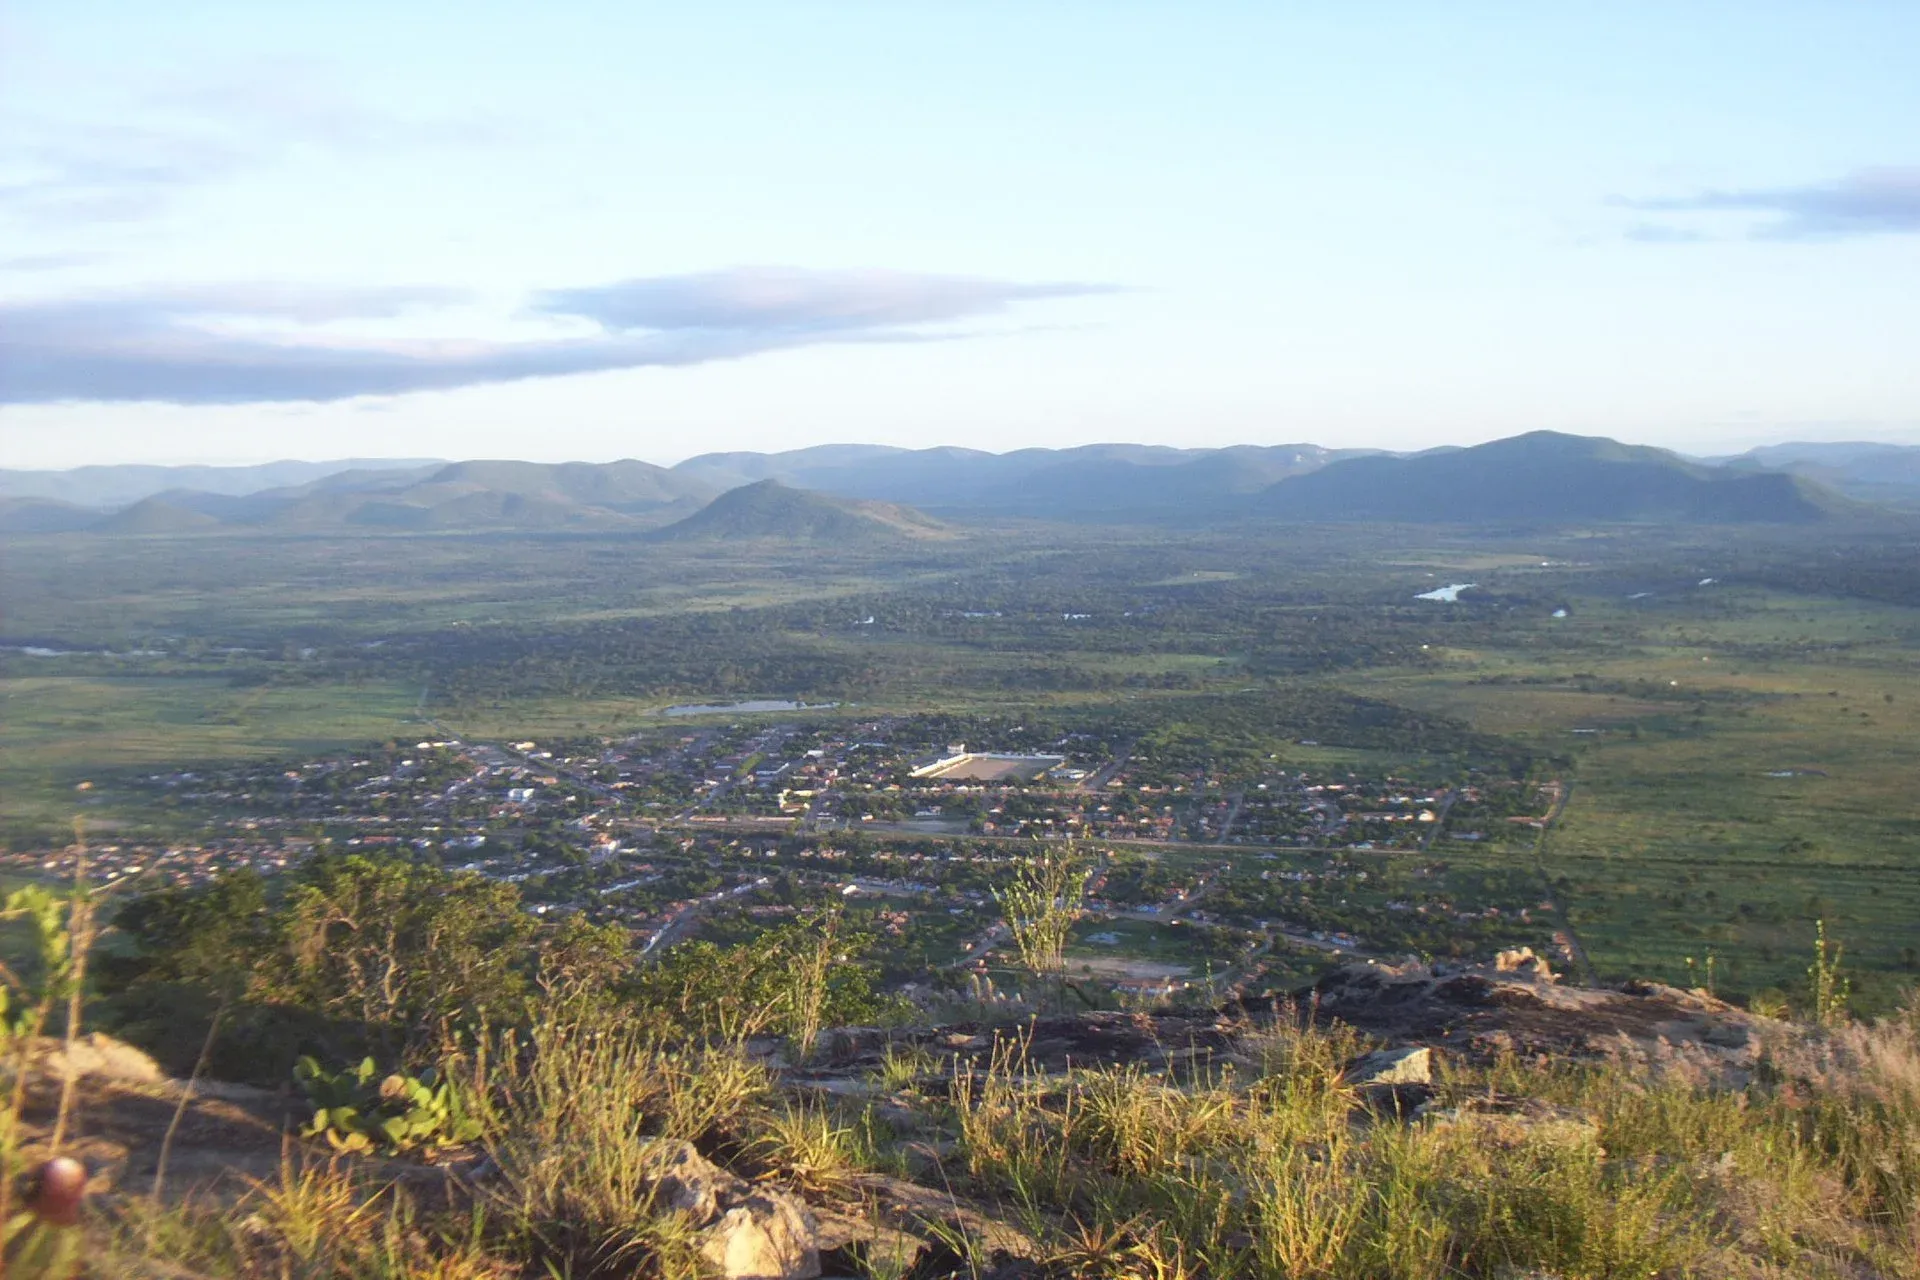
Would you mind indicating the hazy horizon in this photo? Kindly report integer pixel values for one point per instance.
(248, 232)
(401, 460)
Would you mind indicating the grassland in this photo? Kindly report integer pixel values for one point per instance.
(1742, 754)
(56, 733)
(1737, 778)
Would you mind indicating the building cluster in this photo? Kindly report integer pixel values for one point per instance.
(681, 828)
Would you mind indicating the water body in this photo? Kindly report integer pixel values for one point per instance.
(745, 708)
(42, 651)
(1448, 594)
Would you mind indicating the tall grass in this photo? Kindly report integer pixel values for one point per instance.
(1579, 1170)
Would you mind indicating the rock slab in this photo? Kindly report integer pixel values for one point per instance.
(744, 1232)
(1412, 1065)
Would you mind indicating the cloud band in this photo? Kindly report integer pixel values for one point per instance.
(181, 346)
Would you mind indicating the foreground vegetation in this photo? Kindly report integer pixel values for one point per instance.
(1590, 1171)
(542, 1082)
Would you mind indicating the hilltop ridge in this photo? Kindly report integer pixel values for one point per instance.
(1547, 477)
(770, 509)
(1541, 477)
(1581, 1132)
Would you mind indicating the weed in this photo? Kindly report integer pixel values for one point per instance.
(809, 1146)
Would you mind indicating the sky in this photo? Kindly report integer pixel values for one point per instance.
(235, 232)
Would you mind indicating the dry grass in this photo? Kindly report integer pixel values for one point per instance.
(1265, 1168)
(1607, 1172)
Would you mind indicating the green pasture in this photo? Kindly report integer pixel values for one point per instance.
(1679, 837)
(59, 732)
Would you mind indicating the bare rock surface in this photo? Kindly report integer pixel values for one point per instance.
(1410, 1065)
(99, 1057)
(745, 1232)
(1477, 1011)
(1513, 1004)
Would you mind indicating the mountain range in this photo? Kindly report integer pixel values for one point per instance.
(831, 492)
(1860, 469)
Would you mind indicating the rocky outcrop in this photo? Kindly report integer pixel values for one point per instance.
(97, 1057)
(1513, 1004)
(1516, 1006)
(744, 1232)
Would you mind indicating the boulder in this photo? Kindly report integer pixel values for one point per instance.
(743, 1232)
(100, 1057)
(1480, 1012)
(1514, 1122)
(764, 1236)
(1411, 1065)
(838, 1044)
(685, 1181)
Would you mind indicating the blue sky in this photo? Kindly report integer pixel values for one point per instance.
(235, 232)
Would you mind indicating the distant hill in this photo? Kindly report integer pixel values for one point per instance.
(1546, 477)
(1102, 481)
(769, 509)
(44, 515)
(111, 487)
(1542, 477)
(731, 470)
(526, 495)
(1860, 469)
(156, 515)
(437, 496)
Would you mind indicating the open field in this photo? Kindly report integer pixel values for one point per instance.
(1740, 778)
(1739, 725)
(58, 732)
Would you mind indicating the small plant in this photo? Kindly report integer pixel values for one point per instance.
(1828, 989)
(809, 1145)
(807, 975)
(1041, 903)
(354, 1111)
(1695, 973)
(902, 1068)
(40, 1241)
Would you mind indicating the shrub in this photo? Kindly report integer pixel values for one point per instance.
(354, 1111)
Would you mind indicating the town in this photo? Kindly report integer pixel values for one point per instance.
(718, 828)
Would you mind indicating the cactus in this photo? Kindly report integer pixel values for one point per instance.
(357, 1109)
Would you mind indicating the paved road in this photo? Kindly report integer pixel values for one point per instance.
(680, 922)
(1233, 815)
(986, 942)
(1106, 773)
(1440, 818)
(905, 831)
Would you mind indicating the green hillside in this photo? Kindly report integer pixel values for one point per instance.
(769, 509)
(1547, 477)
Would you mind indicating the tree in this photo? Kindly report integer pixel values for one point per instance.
(410, 951)
(212, 936)
(791, 981)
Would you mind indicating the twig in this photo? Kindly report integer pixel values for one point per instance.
(186, 1096)
(79, 942)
